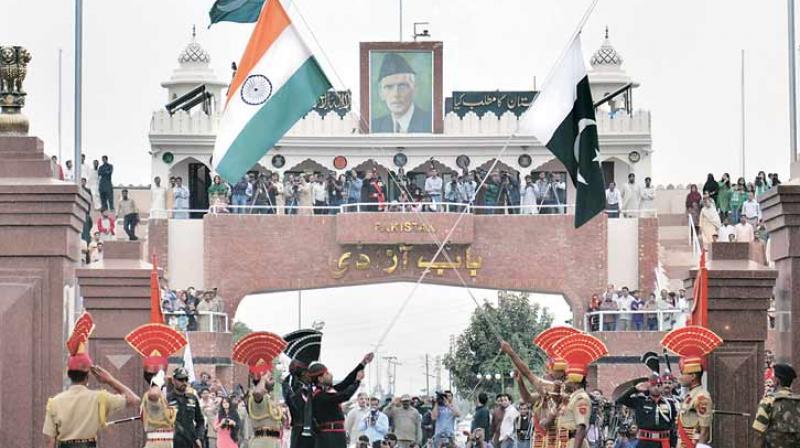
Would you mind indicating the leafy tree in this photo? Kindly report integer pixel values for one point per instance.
(477, 349)
(240, 330)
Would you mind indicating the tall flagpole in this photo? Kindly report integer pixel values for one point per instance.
(60, 155)
(76, 161)
(792, 87)
(743, 117)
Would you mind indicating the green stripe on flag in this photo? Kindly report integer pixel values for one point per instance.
(290, 103)
(240, 11)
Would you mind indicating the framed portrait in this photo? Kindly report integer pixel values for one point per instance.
(401, 87)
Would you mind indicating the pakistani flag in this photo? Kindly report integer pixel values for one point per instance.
(562, 118)
(241, 11)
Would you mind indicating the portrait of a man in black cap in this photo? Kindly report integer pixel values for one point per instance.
(397, 89)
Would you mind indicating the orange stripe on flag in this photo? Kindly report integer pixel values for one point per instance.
(271, 23)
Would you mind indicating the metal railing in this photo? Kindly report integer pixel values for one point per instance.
(395, 207)
(666, 319)
(209, 321)
(693, 239)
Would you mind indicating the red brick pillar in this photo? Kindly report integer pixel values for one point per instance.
(739, 292)
(40, 227)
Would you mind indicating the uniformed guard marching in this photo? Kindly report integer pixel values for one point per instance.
(257, 351)
(579, 350)
(655, 414)
(692, 343)
(303, 348)
(74, 417)
(777, 423)
(547, 396)
(327, 402)
(156, 342)
(189, 421)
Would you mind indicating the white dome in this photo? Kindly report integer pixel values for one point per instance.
(606, 54)
(194, 53)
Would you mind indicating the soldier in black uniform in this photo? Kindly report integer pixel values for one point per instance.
(327, 401)
(655, 415)
(303, 347)
(189, 421)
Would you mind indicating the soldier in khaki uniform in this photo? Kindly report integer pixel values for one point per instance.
(777, 423)
(692, 343)
(74, 417)
(547, 395)
(579, 350)
(257, 351)
(156, 342)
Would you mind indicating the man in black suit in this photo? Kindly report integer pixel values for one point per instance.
(397, 86)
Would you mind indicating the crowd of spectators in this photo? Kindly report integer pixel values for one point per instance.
(500, 192)
(193, 310)
(623, 310)
(726, 212)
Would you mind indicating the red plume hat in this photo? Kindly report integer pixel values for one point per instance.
(692, 343)
(78, 359)
(546, 339)
(579, 350)
(257, 351)
(155, 342)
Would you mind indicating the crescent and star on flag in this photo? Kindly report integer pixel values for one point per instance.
(582, 125)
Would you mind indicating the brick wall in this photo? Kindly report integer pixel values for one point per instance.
(648, 254)
(158, 242)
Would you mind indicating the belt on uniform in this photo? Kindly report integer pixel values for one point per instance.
(267, 432)
(160, 435)
(331, 426)
(78, 443)
(655, 436)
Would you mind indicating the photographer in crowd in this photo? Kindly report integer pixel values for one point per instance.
(444, 415)
(375, 424)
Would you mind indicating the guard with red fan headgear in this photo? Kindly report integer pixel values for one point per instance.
(257, 351)
(693, 343)
(156, 342)
(74, 417)
(548, 390)
(578, 350)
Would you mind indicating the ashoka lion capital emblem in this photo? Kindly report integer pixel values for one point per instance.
(13, 69)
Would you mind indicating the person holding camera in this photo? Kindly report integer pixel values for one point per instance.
(444, 415)
(227, 425)
(375, 424)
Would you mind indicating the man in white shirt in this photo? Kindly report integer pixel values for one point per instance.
(744, 230)
(727, 231)
(624, 302)
(69, 171)
(508, 436)
(647, 205)
(613, 200)
(433, 187)
(631, 197)
(180, 202)
(354, 418)
(320, 195)
(751, 209)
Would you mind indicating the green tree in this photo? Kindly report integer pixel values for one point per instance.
(240, 330)
(477, 349)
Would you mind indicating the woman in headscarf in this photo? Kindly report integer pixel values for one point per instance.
(709, 222)
(693, 201)
(724, 196)
(711, 187)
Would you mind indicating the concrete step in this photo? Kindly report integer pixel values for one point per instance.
(677, 272)
(679, 244)
(673, 233)
(677, 258)
(672, 219)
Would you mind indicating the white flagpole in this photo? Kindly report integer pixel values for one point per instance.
(792, 87)
(76, 161)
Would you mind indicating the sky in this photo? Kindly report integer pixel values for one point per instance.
(684, 53)
(433, 313)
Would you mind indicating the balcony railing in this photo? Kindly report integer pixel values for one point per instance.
(651, 320)
(398, 207)
(209, 321)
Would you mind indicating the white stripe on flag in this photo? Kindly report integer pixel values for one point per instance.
(557, 97)
(188, 362)
(283, 58)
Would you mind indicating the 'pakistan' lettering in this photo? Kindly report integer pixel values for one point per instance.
(405, 227)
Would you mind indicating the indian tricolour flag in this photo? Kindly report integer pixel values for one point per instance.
(277, 82)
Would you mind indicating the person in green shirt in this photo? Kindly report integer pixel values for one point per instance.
(492, 193)
(738, 196)
(724, 196)
(218, 196)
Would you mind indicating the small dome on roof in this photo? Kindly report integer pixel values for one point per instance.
(194, 53)
(606, 54)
